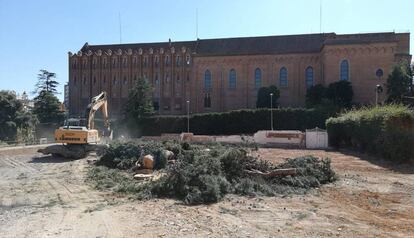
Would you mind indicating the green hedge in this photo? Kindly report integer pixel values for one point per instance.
(233, 122)
(387, 131)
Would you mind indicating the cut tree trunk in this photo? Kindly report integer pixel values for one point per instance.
(273, 173)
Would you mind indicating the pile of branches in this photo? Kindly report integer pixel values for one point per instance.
(206, 173)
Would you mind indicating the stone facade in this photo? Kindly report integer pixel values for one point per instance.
(219, 75)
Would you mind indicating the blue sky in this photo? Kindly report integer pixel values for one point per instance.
(37, 34)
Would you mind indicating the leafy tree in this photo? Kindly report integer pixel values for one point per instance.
(139, 104)
(315, 95)
(46, 104)
(263, 96)
(46, 82)
(399, 83)
(13, 117)
(47, 108)
(340, 93)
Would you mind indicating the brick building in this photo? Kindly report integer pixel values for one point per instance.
(218, 75)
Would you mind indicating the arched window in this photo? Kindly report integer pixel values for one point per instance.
(94, 80)
(207, 100)
(156, 79)
(167, 60)
(207, 80)
(167, 77)
(104, 63)
(283, 80)
(157, 60)
(124, 62)
(344, 70)
(145, 61)
(125, 80)
(379, 73)
(257, 78)
(178, 60)
(74, 81)
(309, 77)
(232, 78)
(104, 79)
(187, 60)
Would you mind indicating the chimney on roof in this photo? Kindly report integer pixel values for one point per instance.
(169, 42)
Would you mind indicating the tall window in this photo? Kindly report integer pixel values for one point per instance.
(257, 78)
(145, 61)
(157, 60)
(232, 78)
(309, 77)
(207, 80)
(187, 60)
(104, 63)
(283, 80)
(167, 60)
(124, 62)
(178, 60)
(207, 100)
(156, 80)
(344, 70)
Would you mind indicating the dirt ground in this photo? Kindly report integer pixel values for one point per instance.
(48, 197)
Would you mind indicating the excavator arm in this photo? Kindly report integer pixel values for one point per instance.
(98, 102)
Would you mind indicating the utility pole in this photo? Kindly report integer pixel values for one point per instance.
(271, 111)
(188, 116)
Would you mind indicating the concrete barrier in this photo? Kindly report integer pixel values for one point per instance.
(280, 138)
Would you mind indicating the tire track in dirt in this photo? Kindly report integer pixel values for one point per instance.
(16, 163)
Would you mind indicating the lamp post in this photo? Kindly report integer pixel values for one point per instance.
(378, 90)
(188, 116)
(271, 111)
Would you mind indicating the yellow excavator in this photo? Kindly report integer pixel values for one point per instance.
(79, 136)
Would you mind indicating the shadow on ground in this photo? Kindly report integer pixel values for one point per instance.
(400, 167)
(50, 159)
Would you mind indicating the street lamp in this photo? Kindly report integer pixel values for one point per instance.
(378, 90)
(271, 111)
(188, 116)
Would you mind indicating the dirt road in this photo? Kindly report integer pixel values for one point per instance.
(48, 197)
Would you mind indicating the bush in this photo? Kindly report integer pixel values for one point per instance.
(233, 122)
(263, 96)
(340, 93)
(206, 176)
(315, 95)
(386, 131)
(124, 155)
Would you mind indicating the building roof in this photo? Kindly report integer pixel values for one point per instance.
(283, 44)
